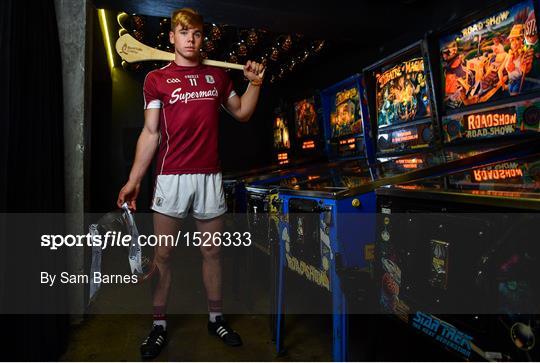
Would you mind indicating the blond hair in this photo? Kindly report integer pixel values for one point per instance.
(186, 18)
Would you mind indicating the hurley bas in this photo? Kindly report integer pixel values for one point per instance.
(96, 277)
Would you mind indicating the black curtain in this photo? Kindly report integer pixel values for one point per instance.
(31, 171)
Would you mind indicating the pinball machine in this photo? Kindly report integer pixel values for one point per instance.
(261, 191)
(327, 223)
(346, 142)
(289, 152)
(307, 213)
(401, 101)
(457, 255)
(297, 147)
(250, 203)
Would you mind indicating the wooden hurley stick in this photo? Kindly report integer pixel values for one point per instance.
(131, 50)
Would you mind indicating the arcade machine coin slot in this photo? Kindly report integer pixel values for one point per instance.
(305, 239)
(258, 219)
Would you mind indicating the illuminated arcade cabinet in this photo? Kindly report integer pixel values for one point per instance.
(295, 146)
(303, 142)
(307, 127)
(465, 263)
(315, 237)
(400, 99)
(282, 139)
(344, 129)
(339, 203)
(490, 78)
(328, 223)
(298, 148)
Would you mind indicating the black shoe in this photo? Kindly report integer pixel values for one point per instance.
(152, 345)
(221, 329)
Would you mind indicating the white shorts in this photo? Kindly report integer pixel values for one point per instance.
(177, 195)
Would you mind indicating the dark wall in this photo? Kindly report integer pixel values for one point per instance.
(340, 60)
(117, 120)
(32, 178)
(101, 170)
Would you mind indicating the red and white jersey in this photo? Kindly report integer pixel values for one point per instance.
(189, 99)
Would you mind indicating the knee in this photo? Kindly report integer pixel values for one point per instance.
(162, 257)
(210, 252)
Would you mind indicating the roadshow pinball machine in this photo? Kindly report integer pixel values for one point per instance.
(327, 223)
(457, 255)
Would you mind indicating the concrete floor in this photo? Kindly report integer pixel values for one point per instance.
(119, 320)
(117, 338)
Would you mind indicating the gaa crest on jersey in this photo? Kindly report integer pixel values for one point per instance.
(209, 79)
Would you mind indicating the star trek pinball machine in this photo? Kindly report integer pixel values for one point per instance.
(327, 224)
(457, 255)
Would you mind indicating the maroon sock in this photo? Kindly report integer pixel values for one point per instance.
(215, 308)
(159, 316)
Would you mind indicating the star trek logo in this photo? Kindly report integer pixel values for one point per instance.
(443, 332)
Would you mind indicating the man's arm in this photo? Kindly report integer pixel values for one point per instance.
(146, 147)
(242, 108)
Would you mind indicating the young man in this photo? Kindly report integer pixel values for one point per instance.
(182, 102)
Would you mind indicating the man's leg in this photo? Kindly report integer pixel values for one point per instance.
(212, 278)
(163, 225)
(211, 265)
(169, 226)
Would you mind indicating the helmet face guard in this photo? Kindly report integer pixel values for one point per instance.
(140, 259)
